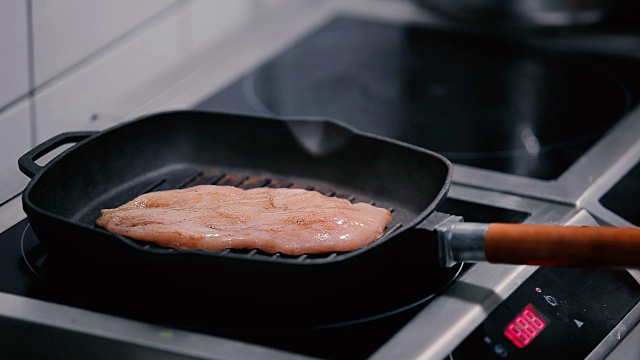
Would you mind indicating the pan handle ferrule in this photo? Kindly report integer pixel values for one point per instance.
(460, 241)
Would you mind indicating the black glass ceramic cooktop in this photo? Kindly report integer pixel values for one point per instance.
(480, 101)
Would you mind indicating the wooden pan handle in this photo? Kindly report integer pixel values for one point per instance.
(564, 246)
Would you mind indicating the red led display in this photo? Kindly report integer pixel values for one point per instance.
(525, 327)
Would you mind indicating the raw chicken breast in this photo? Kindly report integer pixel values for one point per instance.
(214, 218)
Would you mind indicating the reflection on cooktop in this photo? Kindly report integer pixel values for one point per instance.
(481, 102)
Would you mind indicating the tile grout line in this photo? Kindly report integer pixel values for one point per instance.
(31, 72)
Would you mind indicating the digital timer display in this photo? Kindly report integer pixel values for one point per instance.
(528, 324)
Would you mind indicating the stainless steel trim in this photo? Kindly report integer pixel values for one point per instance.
(617, 335)
(591, 198)
(107, 337)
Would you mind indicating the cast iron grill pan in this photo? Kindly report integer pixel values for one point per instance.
(184, 148)
(179, 149)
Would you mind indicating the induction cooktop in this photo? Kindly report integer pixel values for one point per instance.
(484, 102)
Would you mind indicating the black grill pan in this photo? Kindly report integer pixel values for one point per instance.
(183, 148)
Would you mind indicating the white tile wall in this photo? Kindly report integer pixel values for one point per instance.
(67, 31)
(141, 66)
(15, 132)
(104, 58)
(115, 83)
(14, 75)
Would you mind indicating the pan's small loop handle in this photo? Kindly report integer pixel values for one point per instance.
(27, 162)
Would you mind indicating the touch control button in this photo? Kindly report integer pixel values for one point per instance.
(500, 351)
(551, 300)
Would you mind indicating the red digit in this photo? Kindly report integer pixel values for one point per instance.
(512, 334)
(525, 326)
(534, 319)
(516, 335)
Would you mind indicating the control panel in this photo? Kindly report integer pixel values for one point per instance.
(555, 312)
